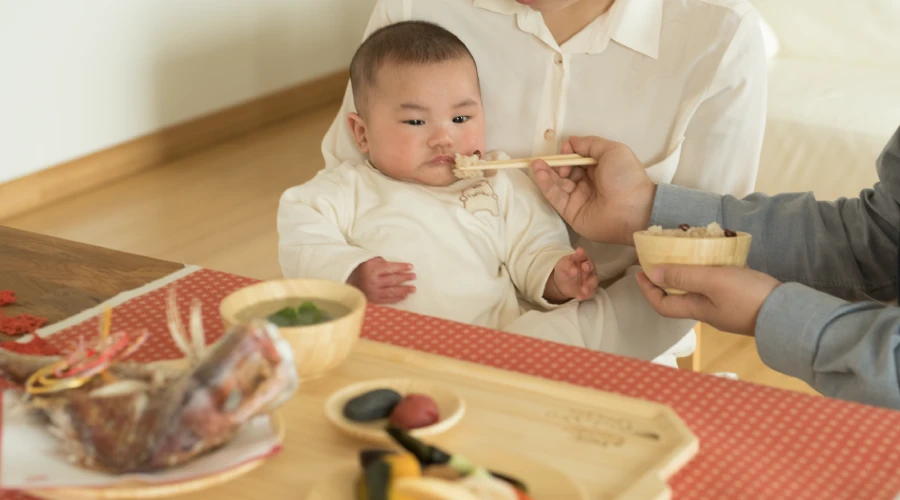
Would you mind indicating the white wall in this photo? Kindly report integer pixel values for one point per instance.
(83, 75)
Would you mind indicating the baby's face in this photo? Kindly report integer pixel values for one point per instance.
(418, 117)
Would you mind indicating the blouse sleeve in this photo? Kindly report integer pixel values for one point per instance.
(722, 144)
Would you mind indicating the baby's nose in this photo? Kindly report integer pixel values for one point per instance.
(441, 138)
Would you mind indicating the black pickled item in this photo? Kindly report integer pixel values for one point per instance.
(304, 315)
(369, 456)
(372, 405)
(684, 227)
(426, 453)
(432, 455)
(730, 234)
(378, 480)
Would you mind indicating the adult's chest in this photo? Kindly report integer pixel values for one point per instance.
(535, 95)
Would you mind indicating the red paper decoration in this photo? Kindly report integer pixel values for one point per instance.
(17, 325)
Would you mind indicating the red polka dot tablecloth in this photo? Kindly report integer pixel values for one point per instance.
(756, 442)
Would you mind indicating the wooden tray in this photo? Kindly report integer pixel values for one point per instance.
(616, 447)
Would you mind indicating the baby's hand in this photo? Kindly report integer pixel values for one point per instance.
(574, 277)
(383, 281)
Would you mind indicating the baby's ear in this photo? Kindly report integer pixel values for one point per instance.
(358, 127)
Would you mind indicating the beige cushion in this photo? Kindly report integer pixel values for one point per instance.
(826, 126)
(856, 32)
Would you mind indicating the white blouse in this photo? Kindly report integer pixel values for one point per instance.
(682, 82)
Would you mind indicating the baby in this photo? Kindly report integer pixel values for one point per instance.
(405, 230)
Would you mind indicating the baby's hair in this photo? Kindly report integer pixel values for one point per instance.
(406, 42)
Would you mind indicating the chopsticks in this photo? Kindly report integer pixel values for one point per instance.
(552, 160)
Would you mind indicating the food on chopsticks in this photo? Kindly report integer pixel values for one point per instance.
(463, 164)
(424, 471)
(411, 411)
(121, 416)
(477, 166)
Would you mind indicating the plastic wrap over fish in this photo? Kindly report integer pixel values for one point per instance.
(144, 417)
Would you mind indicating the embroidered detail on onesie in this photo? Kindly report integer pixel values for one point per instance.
(481, 196)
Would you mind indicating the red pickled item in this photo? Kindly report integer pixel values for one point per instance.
(415, 411)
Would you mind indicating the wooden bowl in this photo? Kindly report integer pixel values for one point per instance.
(451, 408)
(134, 490)
(653, 250)
(317, 348)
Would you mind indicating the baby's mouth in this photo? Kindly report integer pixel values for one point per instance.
(443, 160)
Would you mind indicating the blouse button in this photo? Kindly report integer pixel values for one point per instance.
(549, 134)
(558, 58)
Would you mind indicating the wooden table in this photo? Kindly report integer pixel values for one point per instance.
(755, 442)
(55, 278)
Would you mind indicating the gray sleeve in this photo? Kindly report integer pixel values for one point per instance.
(847, 247)
(843, 350)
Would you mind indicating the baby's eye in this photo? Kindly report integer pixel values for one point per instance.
(460, 119)
(414, 122)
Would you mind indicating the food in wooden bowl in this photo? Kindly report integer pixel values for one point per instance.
(703, 246)
(320, 319)
(363, 410)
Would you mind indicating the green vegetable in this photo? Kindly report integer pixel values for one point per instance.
(368, 456)
(375, 482)
(304, 315)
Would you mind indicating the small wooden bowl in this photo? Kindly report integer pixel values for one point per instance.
(450, 409)
(653, 250)
(317, 348)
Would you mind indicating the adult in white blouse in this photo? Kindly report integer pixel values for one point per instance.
(682, 82)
